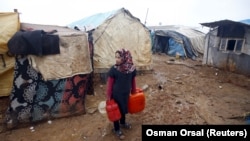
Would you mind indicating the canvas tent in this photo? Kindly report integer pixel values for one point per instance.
(181, 40)
(227, 46)
(9, 23)
(53, 83)
(114, 30)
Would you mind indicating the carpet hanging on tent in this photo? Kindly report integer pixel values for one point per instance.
(33, 99)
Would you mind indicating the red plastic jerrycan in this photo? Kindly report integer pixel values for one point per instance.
(113, 110)
(136, 102)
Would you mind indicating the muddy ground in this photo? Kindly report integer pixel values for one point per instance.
(178, 92)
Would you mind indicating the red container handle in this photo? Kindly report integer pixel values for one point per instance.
(138, 90)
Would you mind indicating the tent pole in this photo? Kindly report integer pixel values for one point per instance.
(146, 17)
(185, 52)
(208, 44)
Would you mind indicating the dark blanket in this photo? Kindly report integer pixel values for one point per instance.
(35, 42)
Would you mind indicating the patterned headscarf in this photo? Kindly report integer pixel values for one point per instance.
(127, 65)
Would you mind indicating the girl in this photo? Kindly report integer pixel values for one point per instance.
(120, 83)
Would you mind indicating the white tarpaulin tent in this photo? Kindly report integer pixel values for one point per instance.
(115, 30)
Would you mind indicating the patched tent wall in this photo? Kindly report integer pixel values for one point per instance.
(54, 85)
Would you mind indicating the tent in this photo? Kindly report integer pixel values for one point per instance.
(53, 82)
(114, 30)
(172, 40)
(227, 46)
(10, 24)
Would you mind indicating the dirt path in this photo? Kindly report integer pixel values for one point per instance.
(179, 92)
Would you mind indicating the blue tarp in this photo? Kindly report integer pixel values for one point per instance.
(171, 42)
(246, 21)
(92, 21)
(174, 48)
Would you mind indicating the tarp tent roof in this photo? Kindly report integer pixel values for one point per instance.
(224, 22)
(191, 39)
(246, 21)
(74, 52)
(114, 30)
(93, 21)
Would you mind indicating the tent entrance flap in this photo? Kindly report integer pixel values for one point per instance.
(175, 48)
(169, 46)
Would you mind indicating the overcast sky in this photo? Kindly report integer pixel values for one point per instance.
(154, 12)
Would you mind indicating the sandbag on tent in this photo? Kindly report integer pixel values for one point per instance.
(114, 30)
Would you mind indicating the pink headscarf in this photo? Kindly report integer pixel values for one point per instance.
(127, 65)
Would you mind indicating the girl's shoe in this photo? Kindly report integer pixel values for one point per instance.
(119, 134)
(126, 126)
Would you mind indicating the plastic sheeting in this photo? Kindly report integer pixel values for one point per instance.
(192, 40)
(175, 48)
(93, 21)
